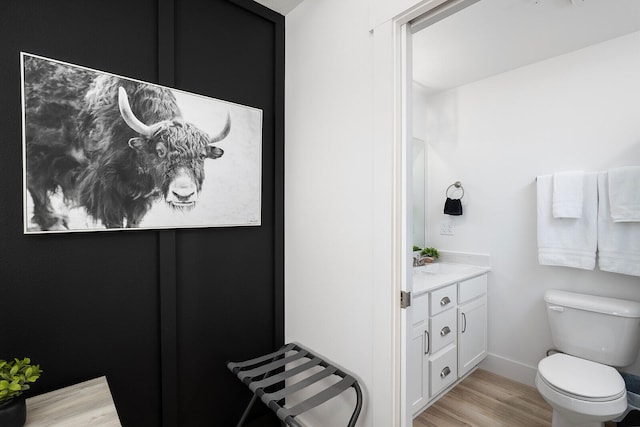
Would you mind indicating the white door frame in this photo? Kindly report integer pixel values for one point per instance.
(389, 154)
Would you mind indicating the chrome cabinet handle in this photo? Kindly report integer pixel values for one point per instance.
(446, 371)
(444, 301)
(426, 342)
(464, 323)
(445, 331)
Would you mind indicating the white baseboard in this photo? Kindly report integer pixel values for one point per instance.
(511, 369)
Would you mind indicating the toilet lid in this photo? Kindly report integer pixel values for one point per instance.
(581, 377)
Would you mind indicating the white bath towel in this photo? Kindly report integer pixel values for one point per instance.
(618, 242)
(569, 242)
(624, 193)
(568, 194)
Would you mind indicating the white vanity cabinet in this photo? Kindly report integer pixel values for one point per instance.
(472, 323)
(447, 338)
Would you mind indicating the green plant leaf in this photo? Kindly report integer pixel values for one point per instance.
(431, 252)
(15, 376)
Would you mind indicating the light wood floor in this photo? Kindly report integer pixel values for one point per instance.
(484, 399)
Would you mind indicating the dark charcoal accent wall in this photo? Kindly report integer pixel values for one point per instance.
(158, 312)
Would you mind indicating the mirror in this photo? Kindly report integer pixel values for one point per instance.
(419, 153)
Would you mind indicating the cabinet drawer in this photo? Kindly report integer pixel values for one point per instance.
(472, 288)
(443, 330)
(443, 299)
(443, 370)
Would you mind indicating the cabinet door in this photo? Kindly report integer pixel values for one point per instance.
(417, 354)
(472, 334)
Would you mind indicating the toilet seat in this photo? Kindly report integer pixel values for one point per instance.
(581, 379)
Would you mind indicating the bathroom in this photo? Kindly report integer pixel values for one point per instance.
(495, 112)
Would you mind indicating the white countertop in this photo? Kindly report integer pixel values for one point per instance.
(438, 274)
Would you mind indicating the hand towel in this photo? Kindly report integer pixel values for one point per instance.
(624, 193)
(453, 207)
(568, 194)
(568, 242)
(618, 242)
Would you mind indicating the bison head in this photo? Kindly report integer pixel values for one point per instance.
(173, 151)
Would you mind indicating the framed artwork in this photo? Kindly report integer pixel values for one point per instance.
(105, 152)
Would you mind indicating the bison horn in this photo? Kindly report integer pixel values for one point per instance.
(223, 134)
(129, 117)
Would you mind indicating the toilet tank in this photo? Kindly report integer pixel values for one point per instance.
(604, 330)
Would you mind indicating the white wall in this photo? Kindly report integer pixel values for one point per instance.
(329, 194)
(576, 111)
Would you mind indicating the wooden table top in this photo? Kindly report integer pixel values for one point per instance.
(80, 405)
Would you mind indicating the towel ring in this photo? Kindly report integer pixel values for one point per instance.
(457, 185)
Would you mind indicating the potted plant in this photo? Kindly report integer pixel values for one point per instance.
(430, 254)
(15, 377)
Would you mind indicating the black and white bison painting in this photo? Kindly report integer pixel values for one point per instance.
(104, 152)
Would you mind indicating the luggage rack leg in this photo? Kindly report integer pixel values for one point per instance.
(245, 414)
(290, 421)
(356, 411)
(255, 374)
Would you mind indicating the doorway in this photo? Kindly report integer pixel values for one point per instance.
(457, 45)
(413, 194)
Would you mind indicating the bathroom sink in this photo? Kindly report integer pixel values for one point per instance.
(443, 268)
(432, 268)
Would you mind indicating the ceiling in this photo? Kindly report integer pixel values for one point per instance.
(494, 36)
(281, 6)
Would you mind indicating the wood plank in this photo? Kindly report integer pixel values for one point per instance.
(484, 399)
(487, 400)
(80, 405)
(510, 401)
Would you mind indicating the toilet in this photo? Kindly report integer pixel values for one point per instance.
(591, 335)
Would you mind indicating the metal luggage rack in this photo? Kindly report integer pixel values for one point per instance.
(270, 372)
